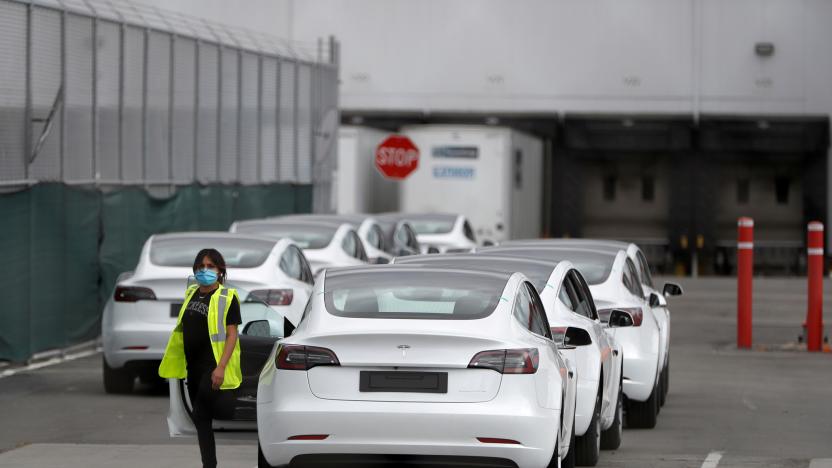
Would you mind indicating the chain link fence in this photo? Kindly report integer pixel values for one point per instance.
(114, 93)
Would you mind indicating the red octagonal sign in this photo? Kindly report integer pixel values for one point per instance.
(397, 157)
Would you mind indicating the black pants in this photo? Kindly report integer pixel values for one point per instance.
(203, 398)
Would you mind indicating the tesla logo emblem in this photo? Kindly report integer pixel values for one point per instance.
(404, 349)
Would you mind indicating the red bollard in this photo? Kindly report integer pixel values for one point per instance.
(814, 317)
(745, 272)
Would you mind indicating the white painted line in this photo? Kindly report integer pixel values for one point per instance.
(712, 460)
(821, 463)
(815, 251)
(47, 363)
(745, 245)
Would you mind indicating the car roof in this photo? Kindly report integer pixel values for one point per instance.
(292, 222)
(349, 218)
(594, 243)
(213, 235)
(422, 216)
(394, 268)
(569, 253)
(538, 271)
(478, 257)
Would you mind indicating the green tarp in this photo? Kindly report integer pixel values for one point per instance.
(64, 247)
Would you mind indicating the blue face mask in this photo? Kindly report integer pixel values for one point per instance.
(206, 277)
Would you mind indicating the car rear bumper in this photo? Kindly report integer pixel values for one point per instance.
(122, 346)
(403, 428)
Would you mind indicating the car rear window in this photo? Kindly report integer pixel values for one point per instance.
(414, 294)
(537, 272)
(594, 266)
(432, 224)
(181, 251)
(306, 236)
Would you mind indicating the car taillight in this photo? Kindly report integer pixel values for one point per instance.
(280, 297)
(558, 334)
(299, 357)
(636, 312)
(507, 361)
(133, 294)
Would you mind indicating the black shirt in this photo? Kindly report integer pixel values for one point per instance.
(199, 355)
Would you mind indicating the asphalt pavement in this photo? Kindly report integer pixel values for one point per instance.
(767, 407)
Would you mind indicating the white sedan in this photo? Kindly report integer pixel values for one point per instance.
(398, 362)
(324, 244)
(140, 314)
(568, 303)
(367, 227)
(656, 298)
(614, 284)
(446, 233)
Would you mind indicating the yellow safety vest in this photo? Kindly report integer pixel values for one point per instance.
(173, 364)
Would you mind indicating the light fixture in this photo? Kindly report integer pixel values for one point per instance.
(764, 49)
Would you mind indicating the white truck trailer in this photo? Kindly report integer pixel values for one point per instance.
(359, 187)
(492, 175)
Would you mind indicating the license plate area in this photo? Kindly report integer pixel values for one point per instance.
(174, 310)
(406, 382)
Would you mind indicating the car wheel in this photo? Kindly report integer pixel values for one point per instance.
(611, 438)
(261, 459)
(588, 446)
(642, 414)
(117, 380)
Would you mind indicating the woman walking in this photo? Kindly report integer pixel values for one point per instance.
(204, 347)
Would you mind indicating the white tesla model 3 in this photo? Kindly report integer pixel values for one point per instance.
(656, 298)
(447, 233)
(399, 362)
(325, 244)
(614, 284)
(140, 314)
(568, 303)
(367, 227)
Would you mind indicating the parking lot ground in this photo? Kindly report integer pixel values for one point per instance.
(727, 408)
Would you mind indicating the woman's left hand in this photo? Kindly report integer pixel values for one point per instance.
(217, 377)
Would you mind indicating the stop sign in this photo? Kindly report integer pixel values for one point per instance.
(397, 157)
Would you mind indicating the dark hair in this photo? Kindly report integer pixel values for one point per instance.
(215, 256)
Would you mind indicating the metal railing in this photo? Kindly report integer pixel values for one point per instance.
(115, 93)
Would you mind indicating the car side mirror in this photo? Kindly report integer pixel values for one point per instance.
(576, 337)
(619, 319)
(260, 328)
(433, 250)
(654, 300)
(672, 289)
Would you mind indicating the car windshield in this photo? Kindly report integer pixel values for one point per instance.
(432, 294)
(432, 226)
(181, 251)
(306, 236)
(594, 266)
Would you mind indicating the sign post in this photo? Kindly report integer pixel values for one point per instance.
(396, 157)
(745, 273)
(814, 316)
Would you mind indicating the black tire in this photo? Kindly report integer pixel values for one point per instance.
(642, 414)
(117, 381)
(261, 459)
(588, 446)
(611, 438)
(569, 460)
